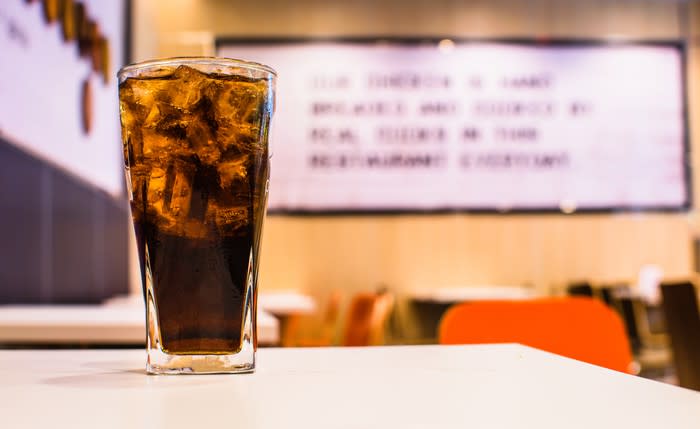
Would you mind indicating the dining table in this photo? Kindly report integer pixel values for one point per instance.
(120, 321)
(434, 386)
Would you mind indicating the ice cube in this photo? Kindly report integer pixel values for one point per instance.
(170, 199)
(132, 145)
(165, 133)
(187, 87)
(138, 95)
(242, 139)
(203, 141)
(238, 107)
(137, 177)
(239, 101)
(149, 185)
(229, 220)
(154, 144)
(179, 195)
(231, 171)
(155, 190)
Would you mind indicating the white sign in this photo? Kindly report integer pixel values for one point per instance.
(42, 101)
(474, 126)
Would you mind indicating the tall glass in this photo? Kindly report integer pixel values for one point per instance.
(195, 134)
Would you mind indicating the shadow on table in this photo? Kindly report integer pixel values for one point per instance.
(116, 375)
(131, 378)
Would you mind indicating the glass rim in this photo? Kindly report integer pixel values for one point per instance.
(222, 61)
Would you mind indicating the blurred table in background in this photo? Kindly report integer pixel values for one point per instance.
(120, 321)
(487, 386)
(453, 295)
(285, 305)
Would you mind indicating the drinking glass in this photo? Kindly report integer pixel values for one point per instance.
(195, 139)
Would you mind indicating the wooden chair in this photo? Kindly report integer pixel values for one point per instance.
(577, 327)
(607, 294)
(620, 299)
(580, 289)
(680, 304)
(317, 330)
(366, 319)
(649, 345)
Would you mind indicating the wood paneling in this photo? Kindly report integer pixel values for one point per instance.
(358, 253)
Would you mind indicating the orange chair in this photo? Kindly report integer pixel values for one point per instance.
(579, 328)
(366, 319)
(318, 330)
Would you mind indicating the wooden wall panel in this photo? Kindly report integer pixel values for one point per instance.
(403, 252)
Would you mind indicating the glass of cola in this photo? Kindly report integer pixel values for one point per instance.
(195, 139)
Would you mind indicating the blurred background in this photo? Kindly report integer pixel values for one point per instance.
(425, 154)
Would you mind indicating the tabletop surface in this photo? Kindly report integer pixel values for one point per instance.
(489, 386)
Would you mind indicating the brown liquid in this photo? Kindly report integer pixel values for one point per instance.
(195, 147)
(200, 283)
(200, 289)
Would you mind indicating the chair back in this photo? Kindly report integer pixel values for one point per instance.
(680, 306)
(580, 289)
(576, 327)
(314, 330)
(366, 319)
(330, 317)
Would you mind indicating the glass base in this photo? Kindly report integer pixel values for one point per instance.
(161, 362)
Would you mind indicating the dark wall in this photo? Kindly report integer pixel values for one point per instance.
(62, 240)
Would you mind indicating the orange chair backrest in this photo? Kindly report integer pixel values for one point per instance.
(367, 315)
(330, 314)
(316, 330)
(580, 328)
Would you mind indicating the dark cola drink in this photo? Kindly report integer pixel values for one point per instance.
(197, 163)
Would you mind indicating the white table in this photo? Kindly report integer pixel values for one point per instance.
(495, 386)
(118, 322)
(455, 294)
(286, 302)
(277, 303)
